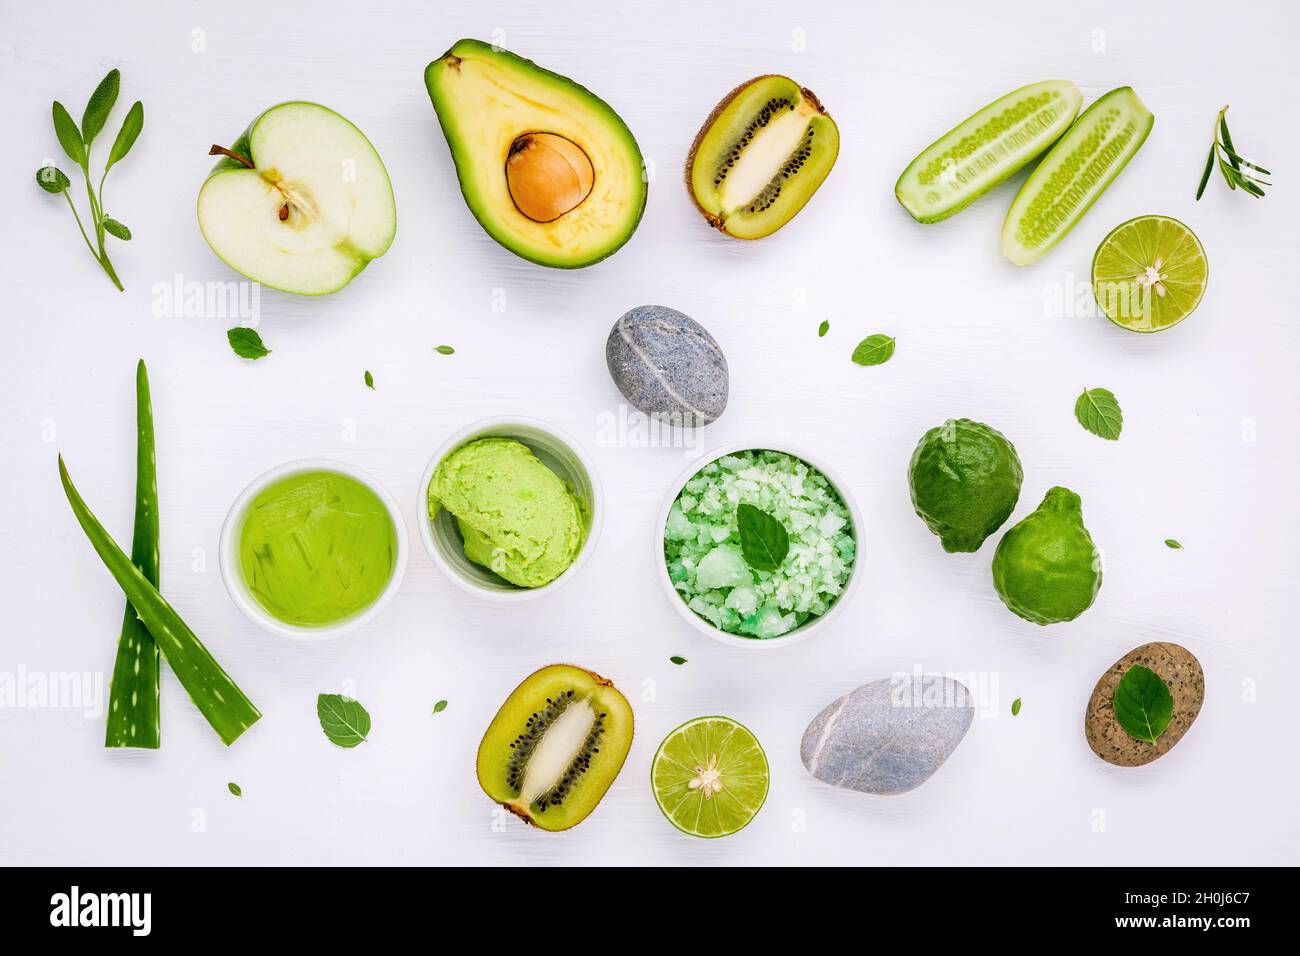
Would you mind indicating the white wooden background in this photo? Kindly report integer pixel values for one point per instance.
(1209, 452)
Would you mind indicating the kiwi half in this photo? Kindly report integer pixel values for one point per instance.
(760, 156)
(555, 746)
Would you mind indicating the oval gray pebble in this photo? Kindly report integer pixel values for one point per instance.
(888, 736)
(668, 366)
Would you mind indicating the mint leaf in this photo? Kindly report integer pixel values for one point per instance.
(1098, 411)
(823, 328)
(445, 350)
(370, 380)
(1172, 543)
(439, 707)
(246, 343)
(677, 660)
(874, 350)
(234, 788)
(1015, 707)
(52, 180)
(763, 539)
(116, 229)
(99, 106)
(1143, 704)
(344, 721)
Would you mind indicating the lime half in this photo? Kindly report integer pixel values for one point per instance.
(709, 777)
(1149, 273)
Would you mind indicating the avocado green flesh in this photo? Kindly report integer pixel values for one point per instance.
(516, 516)
(485, 100)
(1075, 174)
(986, 148)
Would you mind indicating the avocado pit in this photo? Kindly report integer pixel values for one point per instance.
(547, 175)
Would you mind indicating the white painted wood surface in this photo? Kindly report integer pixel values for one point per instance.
(1209, 453)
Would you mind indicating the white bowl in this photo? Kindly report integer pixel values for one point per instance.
(234, 578)
(809, 627)
(559, 452)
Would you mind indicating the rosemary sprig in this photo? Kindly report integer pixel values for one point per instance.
(76, 143)
(1233, 167)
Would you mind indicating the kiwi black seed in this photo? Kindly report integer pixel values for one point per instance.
(524, 745)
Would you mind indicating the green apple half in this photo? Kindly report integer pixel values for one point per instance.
(300, 203)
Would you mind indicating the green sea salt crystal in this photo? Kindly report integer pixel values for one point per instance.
(704, 558)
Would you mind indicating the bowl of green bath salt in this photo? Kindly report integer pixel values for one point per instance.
(758, 547)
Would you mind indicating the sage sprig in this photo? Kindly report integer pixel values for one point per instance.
(76, 142)
(1233, 167)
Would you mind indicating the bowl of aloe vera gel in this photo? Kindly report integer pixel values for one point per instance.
(313, 549)
(758, 546)
(510, 508)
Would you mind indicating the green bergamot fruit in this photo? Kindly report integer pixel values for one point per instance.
(965, 480)
(1046, 568)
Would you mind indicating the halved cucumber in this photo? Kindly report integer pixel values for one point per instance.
(1074, 174)
(986, 148)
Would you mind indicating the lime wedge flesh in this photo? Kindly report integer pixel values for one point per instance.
(709, 777)
(1149, 274)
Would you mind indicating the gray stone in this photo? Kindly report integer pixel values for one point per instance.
(889, 736)
(667, 365)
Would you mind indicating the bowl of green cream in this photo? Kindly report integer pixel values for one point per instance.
(313, 549)
(511, 508)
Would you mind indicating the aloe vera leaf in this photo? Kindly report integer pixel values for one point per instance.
(215, 695)
(133, 697)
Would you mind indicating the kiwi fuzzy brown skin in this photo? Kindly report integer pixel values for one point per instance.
(523, 813)
(713, 220)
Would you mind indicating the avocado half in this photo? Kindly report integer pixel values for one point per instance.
(548, 169)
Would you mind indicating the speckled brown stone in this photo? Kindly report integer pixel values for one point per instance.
(1177, 668)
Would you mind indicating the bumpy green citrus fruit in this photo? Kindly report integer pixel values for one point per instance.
(965, 480)
(1046, 568)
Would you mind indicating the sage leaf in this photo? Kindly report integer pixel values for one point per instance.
(1098, 411)
(99, 106)
(52, 180)
(246, 343)
(116, 229)
(345, 722)
(763, 540)
(126, 136)
(1143, 704)
(69, 136)
(874, 350)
